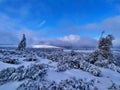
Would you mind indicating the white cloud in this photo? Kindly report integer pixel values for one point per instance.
(6, 23)
(73, 41)
(8, 37)
(71, 38)
(116, 42)
(112, 24)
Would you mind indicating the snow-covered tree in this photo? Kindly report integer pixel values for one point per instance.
(105, 43)
(103, 52)
(22, 44)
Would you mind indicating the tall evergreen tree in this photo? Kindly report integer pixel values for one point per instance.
(22, 44)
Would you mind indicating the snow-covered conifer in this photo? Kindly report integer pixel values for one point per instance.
(22, 44)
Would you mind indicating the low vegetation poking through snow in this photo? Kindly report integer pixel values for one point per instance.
(104, 59)
(68, 84)
(78, 64)
(43, 69)
(34, 71)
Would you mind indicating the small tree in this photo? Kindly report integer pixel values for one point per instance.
(104, 50)
(22, 44)
(106, 43)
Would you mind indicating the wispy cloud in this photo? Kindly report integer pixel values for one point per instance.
(110, 25)
(41, 23)
(6, 23)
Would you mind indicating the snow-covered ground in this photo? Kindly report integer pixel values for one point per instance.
(101, 82)
(44, 46)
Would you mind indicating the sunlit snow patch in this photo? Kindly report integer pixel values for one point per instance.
(44, 46)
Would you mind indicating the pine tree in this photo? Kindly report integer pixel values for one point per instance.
(104, 50)
(22, 44)
(105, 43)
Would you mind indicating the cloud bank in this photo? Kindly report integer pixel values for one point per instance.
(71, 41)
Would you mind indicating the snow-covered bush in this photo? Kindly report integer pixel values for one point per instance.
(102, 63)
(61, 68)
(116, 60)
(85, 66)
(73, 53)
(105, 59)
(38, 85)
(10, 59)
(10, 56)
(114, 67)
(90, 68)
(34, 71)
(5, 75)
(19, 74)
(78, 64)
(31, 57)
(100, 55)
(77, 84)
(68, 84)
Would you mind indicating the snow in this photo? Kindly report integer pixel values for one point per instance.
(22, 63)
(10, 86)
(5, 65)
(58, 76)
(44, 46)
(103, 82)
(114, 76)
(82, 51)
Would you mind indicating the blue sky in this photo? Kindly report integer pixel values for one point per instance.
(49, 20)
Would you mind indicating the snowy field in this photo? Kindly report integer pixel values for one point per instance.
(57, 69)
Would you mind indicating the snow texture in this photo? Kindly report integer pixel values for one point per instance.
(58, 69)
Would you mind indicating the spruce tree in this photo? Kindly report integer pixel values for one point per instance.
(104, 50)
(22, 44)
